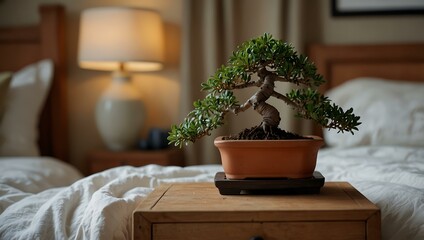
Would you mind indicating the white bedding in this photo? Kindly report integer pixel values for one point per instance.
(45, 199)
(391, 177)
(100, 206)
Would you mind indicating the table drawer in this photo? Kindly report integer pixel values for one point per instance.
(267, 230)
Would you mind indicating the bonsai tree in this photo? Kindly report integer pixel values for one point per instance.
(260, 63)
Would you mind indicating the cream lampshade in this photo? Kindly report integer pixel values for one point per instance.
(121, 40)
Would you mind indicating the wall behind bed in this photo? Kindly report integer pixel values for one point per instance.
(85, 87)
(321, 27)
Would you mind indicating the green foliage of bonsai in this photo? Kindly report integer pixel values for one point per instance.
(268, 61)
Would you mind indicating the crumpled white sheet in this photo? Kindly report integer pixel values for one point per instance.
(391, 177)
(99, 206)
(21, 177)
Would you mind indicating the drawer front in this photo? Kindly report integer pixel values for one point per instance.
(267, 231)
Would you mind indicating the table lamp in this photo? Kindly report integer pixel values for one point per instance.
(121, 40)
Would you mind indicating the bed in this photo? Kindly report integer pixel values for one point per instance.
(22, 46)
(384, 160)
(42, 196)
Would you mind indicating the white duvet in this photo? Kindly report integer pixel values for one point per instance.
(390, 177)
(45, 199)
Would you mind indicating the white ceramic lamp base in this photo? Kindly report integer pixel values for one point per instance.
(120, 114)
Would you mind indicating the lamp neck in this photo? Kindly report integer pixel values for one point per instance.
(121, 76)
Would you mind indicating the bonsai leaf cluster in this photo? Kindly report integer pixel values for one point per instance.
(260, 63)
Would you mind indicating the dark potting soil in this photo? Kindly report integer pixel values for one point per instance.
(258, 133)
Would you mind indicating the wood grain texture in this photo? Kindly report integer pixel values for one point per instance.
(271, 230)
(191, 210)
(21, 46)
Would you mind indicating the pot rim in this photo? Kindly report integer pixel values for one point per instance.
(311, 138)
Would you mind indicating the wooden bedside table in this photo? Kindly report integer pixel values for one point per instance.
(198, 211)
(100, 160)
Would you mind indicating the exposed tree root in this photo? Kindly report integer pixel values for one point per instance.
(258, 133)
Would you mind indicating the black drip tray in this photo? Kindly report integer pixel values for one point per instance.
(269, 186)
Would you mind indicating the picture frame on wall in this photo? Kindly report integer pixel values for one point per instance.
(376, 7)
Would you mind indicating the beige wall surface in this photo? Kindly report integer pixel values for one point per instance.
(161, 90)
(320, 26)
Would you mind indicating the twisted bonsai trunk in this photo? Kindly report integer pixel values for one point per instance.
(270, 115)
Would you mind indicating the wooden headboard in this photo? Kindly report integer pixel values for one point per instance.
(341, 63)
(20, 46)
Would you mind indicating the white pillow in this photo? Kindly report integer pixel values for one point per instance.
(392, 112)
(27, 93)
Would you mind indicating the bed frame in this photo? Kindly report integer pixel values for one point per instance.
(341, 63)
(20, 46)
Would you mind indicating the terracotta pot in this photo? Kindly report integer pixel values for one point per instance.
(243, 159)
